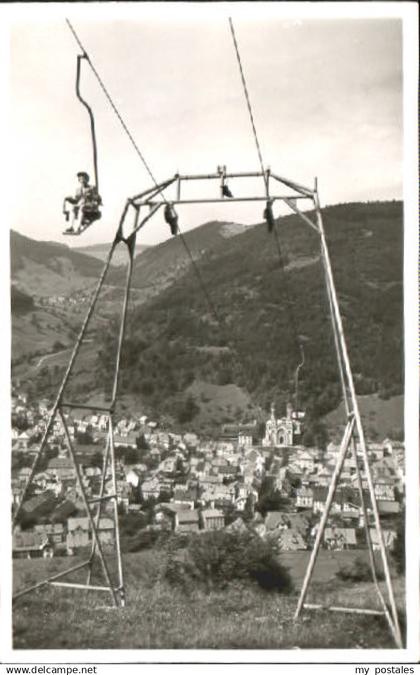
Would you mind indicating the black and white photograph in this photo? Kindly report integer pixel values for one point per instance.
(210, 326)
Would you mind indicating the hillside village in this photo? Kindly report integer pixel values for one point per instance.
(183, 483)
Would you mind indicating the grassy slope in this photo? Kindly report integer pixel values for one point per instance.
(219, 402)
(380, 416)
(158, 616)
(46, 268)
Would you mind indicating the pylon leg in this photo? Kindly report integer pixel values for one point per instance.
(331, 492)
(341, 369)
(89, 512)
(352, 408)
(99, 511)
(57, 409)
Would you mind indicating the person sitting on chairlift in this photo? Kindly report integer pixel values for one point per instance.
(85, 204)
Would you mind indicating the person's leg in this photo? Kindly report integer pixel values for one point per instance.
(78, 217)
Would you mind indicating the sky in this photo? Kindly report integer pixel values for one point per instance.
(326, 96)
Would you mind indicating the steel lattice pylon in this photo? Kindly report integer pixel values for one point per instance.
(154, 198)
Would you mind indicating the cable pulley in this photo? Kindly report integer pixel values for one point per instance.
(171, 218)
(226, 191)
(269, 216)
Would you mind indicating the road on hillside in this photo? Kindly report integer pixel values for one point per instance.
(46, 357)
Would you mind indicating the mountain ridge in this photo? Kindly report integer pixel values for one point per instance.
(173, 340)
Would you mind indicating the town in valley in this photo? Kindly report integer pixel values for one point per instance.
(251, 476)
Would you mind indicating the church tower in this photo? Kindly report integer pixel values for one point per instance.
(285, 431)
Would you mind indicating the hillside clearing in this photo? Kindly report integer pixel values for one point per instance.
(380, 416)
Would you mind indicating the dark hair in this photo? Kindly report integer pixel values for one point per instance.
(83, 173)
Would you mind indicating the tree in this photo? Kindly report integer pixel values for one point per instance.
(216, 558)
(272, 501)
(141, 442)
(187, 410)
(84, 438)
(248, 512)
(58, 346)
(97, 459)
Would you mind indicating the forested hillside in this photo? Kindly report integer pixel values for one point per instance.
(262, 306)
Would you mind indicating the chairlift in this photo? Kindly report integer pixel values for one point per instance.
(84, 208)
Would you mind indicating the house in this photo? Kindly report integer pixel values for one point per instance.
(169, 510)
(224, 494)
(123, 495)
(275, 520)
(91, 471)
(22, 442)
(198, 467)
(237, 525)
(79, 532)
(245, 440)
(187, 521)
(16, 494)
(354, 481)
(150, 488)
(241, 497)
(324, 480)
(168, 465)
(166, 485)
(212, 519)
(388, 507)
(155, 453)
(219, 461)
(389, 537)
(191, 440)
(54, 532)
(319, 498)
(125, 441)
(227, 471)
(44, 406)
(44, 502)
(64, 510)
(384, 489)
(376, 450)
(61, 467)
(305, 460)
(188, 496)
(304, 498)
(24, 473)
(132, 477)
(224, 447)
(30, 544)
(255, 458)
(339, 538)
(289, 540)
(208, 481)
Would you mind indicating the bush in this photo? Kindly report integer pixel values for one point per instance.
(215, 559)
(143, 539)
(358, 570)
(58, 346)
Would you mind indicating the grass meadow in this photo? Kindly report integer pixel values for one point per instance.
(159, 616)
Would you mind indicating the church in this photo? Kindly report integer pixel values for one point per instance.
(285, 431)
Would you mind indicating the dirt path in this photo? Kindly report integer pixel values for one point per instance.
(54, 354)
